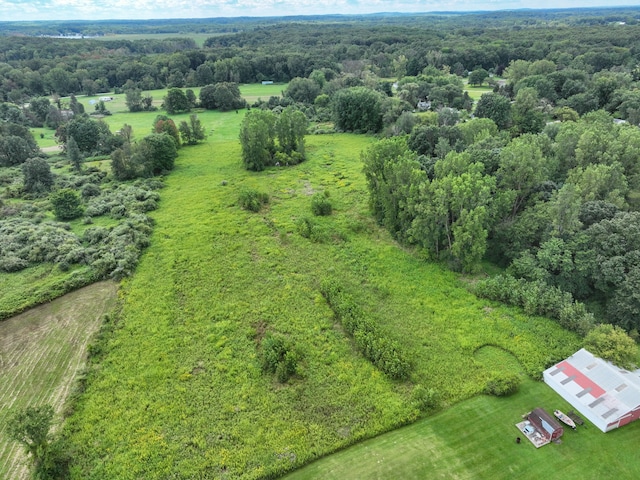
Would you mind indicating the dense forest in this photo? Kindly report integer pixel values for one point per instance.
(501, 142)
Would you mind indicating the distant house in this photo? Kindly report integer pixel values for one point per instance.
(608, 396)
(267, 82)
(423, 105)
(546, 424)
(66, 115)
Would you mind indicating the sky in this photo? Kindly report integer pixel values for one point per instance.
(147, 9)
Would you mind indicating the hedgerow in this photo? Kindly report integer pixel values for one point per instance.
(538, 298)
(385, 353)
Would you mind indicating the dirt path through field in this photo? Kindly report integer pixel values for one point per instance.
(40, 352)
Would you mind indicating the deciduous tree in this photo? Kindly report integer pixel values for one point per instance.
(612, 343)
(357, 109)
(176, 101)
(37, 175)
(496, 107)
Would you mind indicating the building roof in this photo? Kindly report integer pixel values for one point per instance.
(605, 391)
(546, 421)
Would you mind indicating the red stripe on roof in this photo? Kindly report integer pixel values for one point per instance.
(581, 379)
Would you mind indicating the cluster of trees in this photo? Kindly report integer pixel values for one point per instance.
(91, 136)
(556, 207)
(269, 138)
(154, 154)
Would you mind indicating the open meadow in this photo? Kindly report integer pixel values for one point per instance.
(41, 351)
(180, 393)
(199, 38)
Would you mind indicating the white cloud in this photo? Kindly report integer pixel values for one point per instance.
(147, 9)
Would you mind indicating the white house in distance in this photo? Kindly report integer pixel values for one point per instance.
(607, 396)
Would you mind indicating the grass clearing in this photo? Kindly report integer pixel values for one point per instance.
(199, 38)
(475, 91)
(41, 350)
(181, 379)
(476, 440)
(142, 122)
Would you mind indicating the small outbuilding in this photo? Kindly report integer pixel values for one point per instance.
(606, 395)
(545, 424)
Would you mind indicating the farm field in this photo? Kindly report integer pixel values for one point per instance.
(180, 392)
(41, 351)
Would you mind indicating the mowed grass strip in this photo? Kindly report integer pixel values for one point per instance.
(40, 352)
(180, 393)
(475, 439)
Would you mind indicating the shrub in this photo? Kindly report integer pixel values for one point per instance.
(502, 384)
(279, 357)
(90, 190)
(425, 398)
(304, 226)
(321, 205)
(252, 200)
(12, 264)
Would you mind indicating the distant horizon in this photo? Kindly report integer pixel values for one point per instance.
(102, 10)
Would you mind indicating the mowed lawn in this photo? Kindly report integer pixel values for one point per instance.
(41, 350)
(180, 392)
(476, 440)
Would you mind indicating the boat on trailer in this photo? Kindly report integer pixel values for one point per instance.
(565, 418)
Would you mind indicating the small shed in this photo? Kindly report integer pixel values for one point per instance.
(608, 396)
(545, 424)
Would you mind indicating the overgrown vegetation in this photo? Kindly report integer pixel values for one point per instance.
(210, 265)
(229, 323)
(99, 231)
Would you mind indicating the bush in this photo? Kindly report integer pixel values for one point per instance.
(252, 200)
(502, 384)
(278, 356)
(321, 205)
(12, 264)
(425, 398)
(90, 190)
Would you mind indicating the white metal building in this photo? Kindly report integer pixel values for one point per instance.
(606, 395)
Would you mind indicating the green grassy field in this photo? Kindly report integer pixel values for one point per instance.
(475, 91)
(180, 392)
(476, 440)
(40, 353)
(142, 122)
(199, 38)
